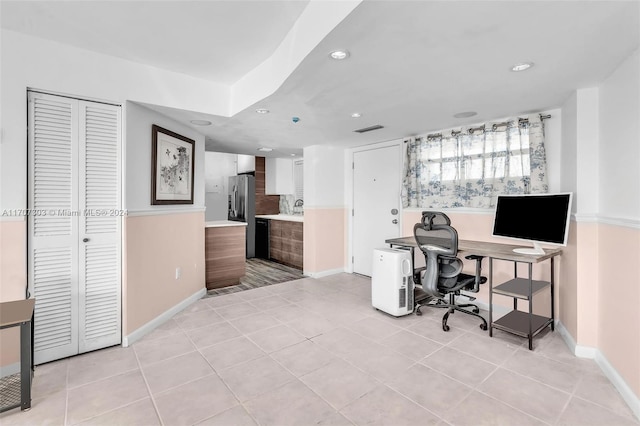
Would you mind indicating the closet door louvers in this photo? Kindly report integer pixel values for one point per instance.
(100, 297)
(53, 234)
(75, 225)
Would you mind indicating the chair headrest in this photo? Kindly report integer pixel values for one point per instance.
(430, 218)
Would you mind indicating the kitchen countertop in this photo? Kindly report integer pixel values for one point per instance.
(223, 223)
(287, 217)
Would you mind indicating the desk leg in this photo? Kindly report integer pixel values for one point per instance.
(530, 305)
(25, 365)
(553, 319)
(490, 297)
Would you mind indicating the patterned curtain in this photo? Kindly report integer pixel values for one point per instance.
(470, 169)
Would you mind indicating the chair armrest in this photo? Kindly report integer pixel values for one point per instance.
(416, 274)
(479, 278)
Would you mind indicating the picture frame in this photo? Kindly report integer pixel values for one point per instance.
(172, 167)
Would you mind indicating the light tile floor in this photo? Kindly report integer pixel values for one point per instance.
(314, 351)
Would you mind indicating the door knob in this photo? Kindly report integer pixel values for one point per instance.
(394, 221)
(85, 240)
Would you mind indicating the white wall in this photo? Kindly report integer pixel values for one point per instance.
(324, 176)
(37, 63)
(619, 153)
(218, 167)
(138, 159)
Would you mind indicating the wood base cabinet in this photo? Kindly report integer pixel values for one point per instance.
(225, 255)
(286, 244)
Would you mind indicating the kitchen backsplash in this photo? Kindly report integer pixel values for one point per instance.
(287, 205)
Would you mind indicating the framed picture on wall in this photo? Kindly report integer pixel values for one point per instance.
(171, 168)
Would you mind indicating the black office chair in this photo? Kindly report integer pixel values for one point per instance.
(443, 275)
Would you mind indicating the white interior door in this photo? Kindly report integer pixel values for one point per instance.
(376, 202)
(74, 227)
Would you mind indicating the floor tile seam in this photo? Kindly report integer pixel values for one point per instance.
(514, 408)
(496, 366)
(66, 402)
(110, 376)
(217, 374)
(268, 328)
(309, 372)
(186, 330)
(526, 377)
(143, 366)
(146, 383)
(234, 318)
(164, 391)
(147, 337)
(630, 415)
(570, 393)
(244, 334)
(440, 418)
(111, 410)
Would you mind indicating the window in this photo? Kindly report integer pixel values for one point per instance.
(470, 169)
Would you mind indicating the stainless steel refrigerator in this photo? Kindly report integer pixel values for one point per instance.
(242, 207)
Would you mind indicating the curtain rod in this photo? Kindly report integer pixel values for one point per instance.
(482, 128)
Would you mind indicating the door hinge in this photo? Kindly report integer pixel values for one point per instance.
(353, 212)
(352, 260)
(353, 165)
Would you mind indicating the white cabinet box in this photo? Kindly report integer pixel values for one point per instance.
(279, 176)
(246, 163)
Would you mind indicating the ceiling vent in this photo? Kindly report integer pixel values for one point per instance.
(369, 129)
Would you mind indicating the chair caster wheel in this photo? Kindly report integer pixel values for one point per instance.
(483, 327)
(418, 313)
(445, 327)
(476, 310)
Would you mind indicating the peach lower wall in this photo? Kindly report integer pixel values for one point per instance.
(155, 246)
(325, 243)
(586, 292)
(619, 300)
(13, 281)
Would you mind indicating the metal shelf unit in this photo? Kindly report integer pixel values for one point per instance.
(524, 324)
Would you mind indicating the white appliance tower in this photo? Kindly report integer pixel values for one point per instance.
(392, 281)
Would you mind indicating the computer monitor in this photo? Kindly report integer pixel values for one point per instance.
(536, 218)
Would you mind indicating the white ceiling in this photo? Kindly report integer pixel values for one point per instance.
(413, 64)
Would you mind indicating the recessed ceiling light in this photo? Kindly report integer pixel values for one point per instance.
(465, 114)
(356, 115)
(339, 55)
(265, 149)
(262, 111)
(522, 66)
(201, 122)
(293, 155)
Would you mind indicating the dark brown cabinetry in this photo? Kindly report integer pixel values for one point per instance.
(225, 254)
(286, 243)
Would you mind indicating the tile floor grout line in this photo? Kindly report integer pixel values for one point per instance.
(146, 382)
(240, 403)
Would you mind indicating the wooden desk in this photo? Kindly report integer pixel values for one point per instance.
(515, 322)
(12, 314)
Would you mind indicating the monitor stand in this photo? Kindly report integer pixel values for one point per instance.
(536, 249)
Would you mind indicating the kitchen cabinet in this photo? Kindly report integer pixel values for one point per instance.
(279, 176)
(286, 243)
(246, 163)
(298, 179)
(225, 253)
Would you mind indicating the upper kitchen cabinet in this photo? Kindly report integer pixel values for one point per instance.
(298, 179)
(279, 176)
(246, 163)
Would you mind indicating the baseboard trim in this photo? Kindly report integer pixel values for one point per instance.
(324, 273)
(10, 369)
(632, 400)
(162, 318)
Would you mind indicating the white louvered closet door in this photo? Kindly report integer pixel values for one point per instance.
(74, 243)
